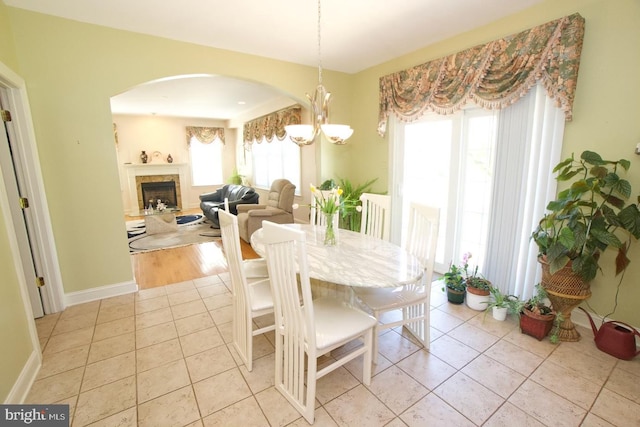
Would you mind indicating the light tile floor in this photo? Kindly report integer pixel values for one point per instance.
(162, 357)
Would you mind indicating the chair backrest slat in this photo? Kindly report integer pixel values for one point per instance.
(239, 285)
(424, 222)
(376, 215)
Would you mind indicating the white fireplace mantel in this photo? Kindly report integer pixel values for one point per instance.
(139, 169)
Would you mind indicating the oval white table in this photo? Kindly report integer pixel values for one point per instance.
(356, 260)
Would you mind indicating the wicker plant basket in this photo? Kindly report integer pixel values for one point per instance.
(536, 325)
(566, 290)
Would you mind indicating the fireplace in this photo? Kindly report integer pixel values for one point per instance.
(165, 191)
(154, 187)
(137, 174)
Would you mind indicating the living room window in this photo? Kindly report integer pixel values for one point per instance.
(274, 160)
(206, 162)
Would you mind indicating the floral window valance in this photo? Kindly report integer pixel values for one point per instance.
(272, 125)
(206, 135)
(493, 76)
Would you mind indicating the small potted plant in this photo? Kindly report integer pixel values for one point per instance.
(478, 291)
(455, 284)
(536, 316)
(500, 304)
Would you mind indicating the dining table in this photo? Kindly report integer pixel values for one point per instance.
(355, 260)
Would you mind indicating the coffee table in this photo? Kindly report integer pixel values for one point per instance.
(161, 221)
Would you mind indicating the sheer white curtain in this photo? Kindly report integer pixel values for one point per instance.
(530, 136)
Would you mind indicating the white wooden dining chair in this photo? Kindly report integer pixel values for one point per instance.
(253, 268)
(414, 299)
(251, 297)
(308, 327)
(376, 215)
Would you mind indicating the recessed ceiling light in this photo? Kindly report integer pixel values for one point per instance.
(241, 103)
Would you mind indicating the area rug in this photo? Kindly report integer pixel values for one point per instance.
(191, 229)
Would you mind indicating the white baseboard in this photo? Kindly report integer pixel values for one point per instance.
(93, 294)
(21, 387)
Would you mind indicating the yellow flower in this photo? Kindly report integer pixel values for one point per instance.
(313, 188)
(340, 191)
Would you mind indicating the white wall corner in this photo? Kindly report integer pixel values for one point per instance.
(22, 386)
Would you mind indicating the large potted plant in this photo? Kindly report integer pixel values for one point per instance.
(584, 221)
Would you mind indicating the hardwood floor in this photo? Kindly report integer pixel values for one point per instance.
(173, 265)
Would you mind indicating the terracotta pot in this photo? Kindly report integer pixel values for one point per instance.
(476, 291)
(566, 290)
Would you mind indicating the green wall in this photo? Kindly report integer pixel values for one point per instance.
(14, 327)
(7, 51)
(606, 109)
(72, 69)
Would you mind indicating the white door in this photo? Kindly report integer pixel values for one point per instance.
(21, 218)
(447, 162)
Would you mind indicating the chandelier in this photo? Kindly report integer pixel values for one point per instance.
(306, 134)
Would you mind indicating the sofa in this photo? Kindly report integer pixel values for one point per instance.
(278, 209)
(236, 194)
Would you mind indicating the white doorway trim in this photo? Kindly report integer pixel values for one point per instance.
(18, 104)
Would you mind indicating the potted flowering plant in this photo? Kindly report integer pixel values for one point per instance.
(455, 284)
(460, 279)
(329, 204)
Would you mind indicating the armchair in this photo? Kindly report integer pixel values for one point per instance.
(236, 194)
(278, 209)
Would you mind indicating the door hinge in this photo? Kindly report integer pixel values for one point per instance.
(39, 282)
(24, 202)
(6, 115)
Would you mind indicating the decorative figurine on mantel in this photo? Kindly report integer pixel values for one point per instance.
(169, 159)
(160, 206)
(144, 157)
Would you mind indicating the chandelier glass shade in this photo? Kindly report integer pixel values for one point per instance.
(319, 109)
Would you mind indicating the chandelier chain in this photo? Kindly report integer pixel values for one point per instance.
(319, 45)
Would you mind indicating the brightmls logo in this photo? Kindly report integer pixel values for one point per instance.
(34, 415)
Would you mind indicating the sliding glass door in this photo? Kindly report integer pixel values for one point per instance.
(447, 161)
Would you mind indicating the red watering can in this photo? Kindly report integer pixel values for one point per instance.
(615, 338)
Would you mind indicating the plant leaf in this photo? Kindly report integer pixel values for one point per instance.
(630, 219)
(622, 261)
(563, 163)
(566, 237)
(623, 187)
(626, 164)
(592, 158)
(599, 171)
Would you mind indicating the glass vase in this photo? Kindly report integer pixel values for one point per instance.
(330, 231)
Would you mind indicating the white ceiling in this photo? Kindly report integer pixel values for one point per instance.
(356, 34)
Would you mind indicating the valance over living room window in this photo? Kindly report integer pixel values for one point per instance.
(493, 75)
(271, 125)
(206, 135)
